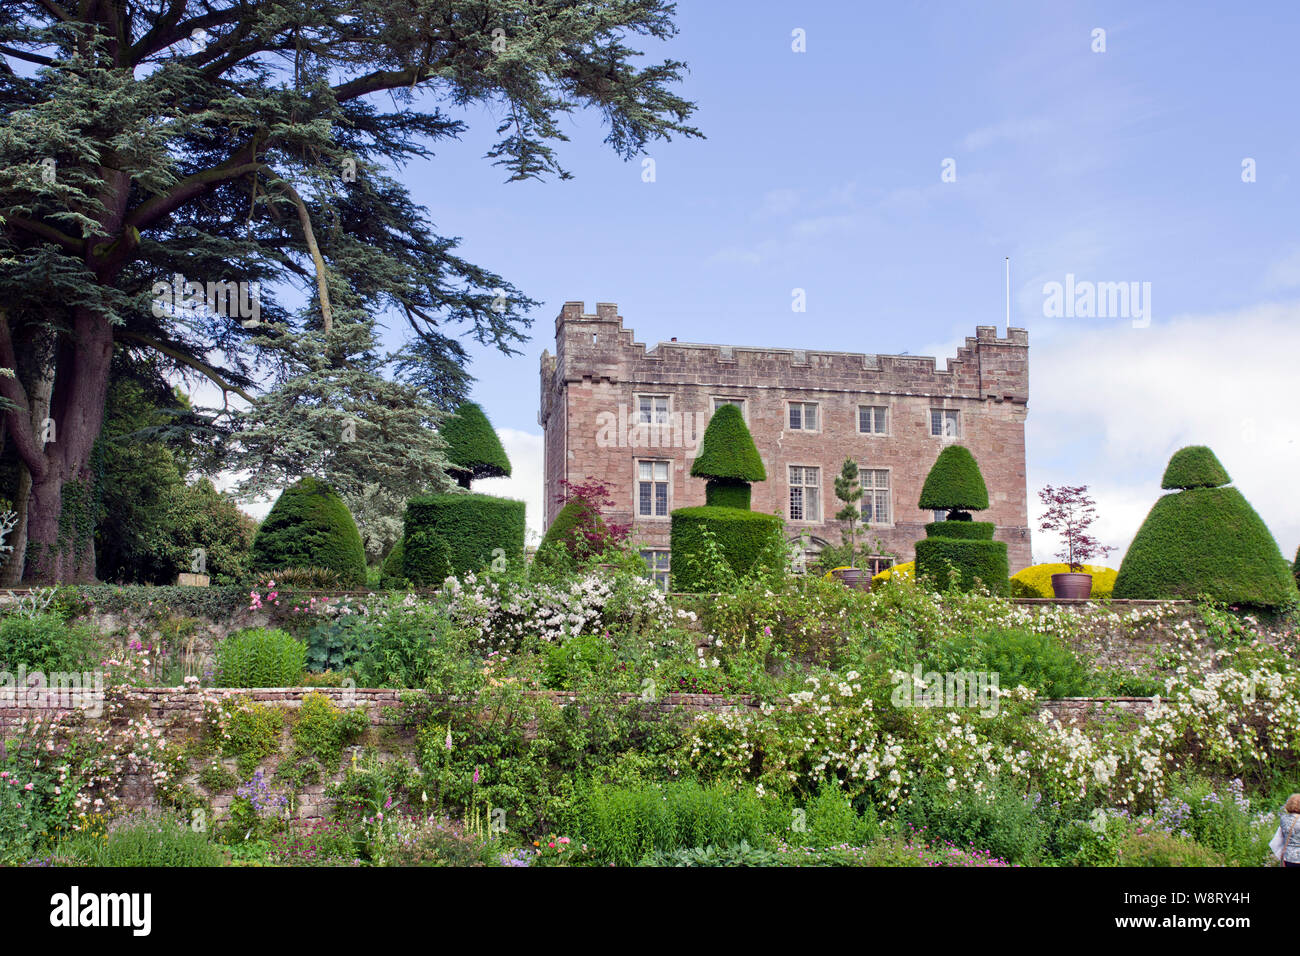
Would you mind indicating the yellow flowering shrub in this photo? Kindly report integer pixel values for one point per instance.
(1036, 581)
(904, 570)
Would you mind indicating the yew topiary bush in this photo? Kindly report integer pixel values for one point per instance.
(1204, 539)
(468, 528)
(473, 448)
(955, 484)
(728, 461)
(310, 527)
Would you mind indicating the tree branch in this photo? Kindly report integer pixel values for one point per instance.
(46, 231)
(29, 57)
(206, 370)
(310, 236)
(153, 209)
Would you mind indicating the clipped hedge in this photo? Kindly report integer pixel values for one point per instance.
(470, 526)
(728, 494)
(978, 562)
(1035, 581)
(1205, 541)
(967, 530)
(309, 526)
(426, 559)
(742, 536)
(955, 483)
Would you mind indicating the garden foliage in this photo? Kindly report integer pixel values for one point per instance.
(310, 526)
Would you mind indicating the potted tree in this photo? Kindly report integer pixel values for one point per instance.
(1070, 513)
(848, 488)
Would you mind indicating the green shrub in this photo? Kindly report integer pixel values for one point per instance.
(43, 642)
(961, 530)
(727, 450)
(1001, 820)
(568, 664)
(1018, 656)
(417, 646)
(426, 559)
(743, 537)
(728, 494)
(1205, 541)
(473, 527)
(1164, 849)
(1216, 817)
(622, 825)
(564, 546)
(335, 645)
(954, 483)
(251, 733)
(260, 657)
(322, 730)
(393, 571)
(832, 821)
(473, 448)
(967, 547)
(143, 840)
(976, 562)
(310, 526)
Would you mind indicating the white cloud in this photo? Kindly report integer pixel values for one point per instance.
(1014, 131)
(1109, 404)
(1285, 272)
(524, 449)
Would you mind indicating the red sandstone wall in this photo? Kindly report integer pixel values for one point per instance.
(599, 367)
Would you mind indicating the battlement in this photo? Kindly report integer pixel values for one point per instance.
(600, 348)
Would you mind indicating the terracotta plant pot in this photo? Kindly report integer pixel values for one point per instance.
(855, 578)
(1072, 585)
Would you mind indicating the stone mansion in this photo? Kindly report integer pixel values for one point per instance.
(632, 417)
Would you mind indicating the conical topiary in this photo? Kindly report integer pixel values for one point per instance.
(1204, 539)
(473, 448)
(955, 483)
(728, 459)
(1194, 467)
(309, 526)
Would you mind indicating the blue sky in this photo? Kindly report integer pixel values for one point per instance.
(822, 171)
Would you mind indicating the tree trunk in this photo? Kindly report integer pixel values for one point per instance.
(41, 391)
(60, 509)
